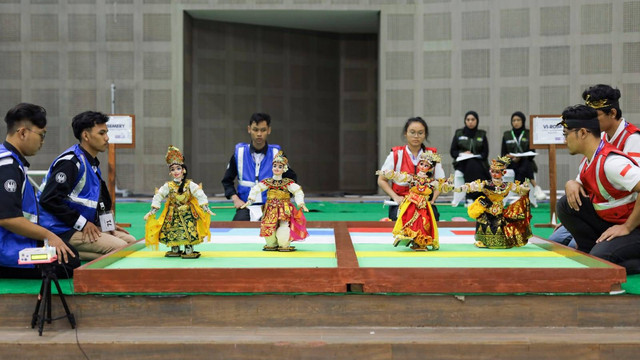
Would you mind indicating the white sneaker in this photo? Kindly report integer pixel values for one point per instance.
(539, 194)
(457, 198)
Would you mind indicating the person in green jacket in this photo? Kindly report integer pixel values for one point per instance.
(470, 140)
(516, 141)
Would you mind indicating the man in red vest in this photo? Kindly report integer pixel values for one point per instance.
(604, 224)
(614, 129)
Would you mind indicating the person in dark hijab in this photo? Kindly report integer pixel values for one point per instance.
(467, 142)
(516, 141)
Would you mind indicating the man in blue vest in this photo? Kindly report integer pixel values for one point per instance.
(250, 164)
(19, 229)
(75, 201)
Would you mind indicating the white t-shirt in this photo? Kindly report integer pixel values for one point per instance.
(389, 164)
(631, 146)
(621, 172)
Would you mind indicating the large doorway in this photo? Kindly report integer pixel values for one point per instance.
(318, 83)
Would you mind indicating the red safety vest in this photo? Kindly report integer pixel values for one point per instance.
(611, 204)
(402, 162)
(620, 142)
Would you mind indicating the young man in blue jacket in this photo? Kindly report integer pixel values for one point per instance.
(250, 164)
(19, 229)
(75, 202)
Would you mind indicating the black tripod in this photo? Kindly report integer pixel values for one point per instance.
(44, 300)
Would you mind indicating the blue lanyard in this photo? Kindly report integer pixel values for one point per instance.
(598, 149)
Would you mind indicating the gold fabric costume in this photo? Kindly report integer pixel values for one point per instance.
(498, 227)
(182, 222)
(278, 206)
(415, 217)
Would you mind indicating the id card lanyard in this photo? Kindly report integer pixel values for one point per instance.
(518, 140)
(107, 223)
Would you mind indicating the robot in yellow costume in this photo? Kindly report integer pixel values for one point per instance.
(497, 226)
(185, 219)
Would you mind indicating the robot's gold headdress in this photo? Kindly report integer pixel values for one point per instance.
(280, 158)
(430, 156)
(500, 163)
(174, 156)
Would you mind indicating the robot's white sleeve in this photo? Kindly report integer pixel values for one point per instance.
(256, 190)
(297, 192)
(159, 196)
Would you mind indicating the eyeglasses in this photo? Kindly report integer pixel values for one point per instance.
(414, 133)
(42, 135)
(568, 131)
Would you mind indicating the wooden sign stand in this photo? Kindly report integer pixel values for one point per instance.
(552, 167)
(111, 178)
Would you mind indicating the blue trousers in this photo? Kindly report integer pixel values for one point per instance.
(563, 236)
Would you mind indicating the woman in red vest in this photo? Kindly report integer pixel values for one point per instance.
(404, 158)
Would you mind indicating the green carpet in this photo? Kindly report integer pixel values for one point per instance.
(632, 286)
(18, 286)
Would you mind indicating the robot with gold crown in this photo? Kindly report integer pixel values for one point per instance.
(497, 226)
(416, 224)
(186, 217)
(281, 221)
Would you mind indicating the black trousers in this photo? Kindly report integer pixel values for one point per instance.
(393, 212)
(523, 169)
(241, 215)
(473, 169)
(586, 227)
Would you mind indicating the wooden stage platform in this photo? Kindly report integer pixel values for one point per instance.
(349, 326)
(349, 276)
(361, 300)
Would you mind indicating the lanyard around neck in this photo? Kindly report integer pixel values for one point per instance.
(518, 139)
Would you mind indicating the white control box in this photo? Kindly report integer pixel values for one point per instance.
(40, 255)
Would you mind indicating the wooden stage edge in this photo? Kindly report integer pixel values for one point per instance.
(348, 276)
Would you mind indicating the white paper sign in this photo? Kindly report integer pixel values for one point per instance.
(465, 156)
(546, 131)
(120, 129)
